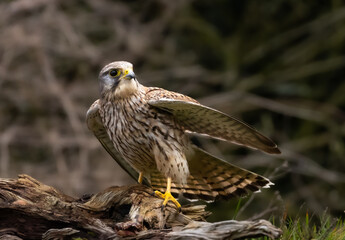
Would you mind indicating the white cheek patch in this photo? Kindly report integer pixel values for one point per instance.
(126, 88)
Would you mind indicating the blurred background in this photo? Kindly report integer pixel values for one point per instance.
(278, 65)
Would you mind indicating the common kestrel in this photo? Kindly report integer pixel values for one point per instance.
(146, 130)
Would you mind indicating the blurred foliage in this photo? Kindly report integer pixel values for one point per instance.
(278, 65)
(322, 228)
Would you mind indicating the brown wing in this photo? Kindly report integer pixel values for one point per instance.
(212, 178)
(205, 120)
(94, 123)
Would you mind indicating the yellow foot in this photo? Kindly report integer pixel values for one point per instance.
(168, 197)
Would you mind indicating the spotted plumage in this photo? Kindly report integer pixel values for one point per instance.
(145, 136)
(146, 130)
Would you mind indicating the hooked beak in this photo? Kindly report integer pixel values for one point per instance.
(129, 76)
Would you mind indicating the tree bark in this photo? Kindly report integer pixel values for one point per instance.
(31, 210)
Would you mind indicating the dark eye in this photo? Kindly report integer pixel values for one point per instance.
(114, 73)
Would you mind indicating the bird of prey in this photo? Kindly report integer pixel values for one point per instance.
(147, 129)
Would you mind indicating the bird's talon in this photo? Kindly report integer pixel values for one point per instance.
(159, 194)
(167, 197)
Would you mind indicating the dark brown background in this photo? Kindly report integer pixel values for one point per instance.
(278, 65)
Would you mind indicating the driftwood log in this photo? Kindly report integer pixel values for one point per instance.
(30, 209)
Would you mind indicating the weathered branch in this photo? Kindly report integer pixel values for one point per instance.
(32, 210)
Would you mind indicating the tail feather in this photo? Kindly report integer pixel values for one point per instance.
(212, 178)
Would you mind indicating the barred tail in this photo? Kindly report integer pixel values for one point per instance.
(212, 178)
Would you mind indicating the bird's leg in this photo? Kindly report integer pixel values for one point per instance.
(167, 196)
(140, 178)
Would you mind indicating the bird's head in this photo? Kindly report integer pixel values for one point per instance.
(117, 80)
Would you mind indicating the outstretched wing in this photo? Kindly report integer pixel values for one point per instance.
(205, 120)
(210, 179)
(94, 123)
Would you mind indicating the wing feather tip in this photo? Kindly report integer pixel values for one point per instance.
(269, 184)
(274, 150)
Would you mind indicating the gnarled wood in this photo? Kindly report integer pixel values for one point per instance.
(32, 210)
